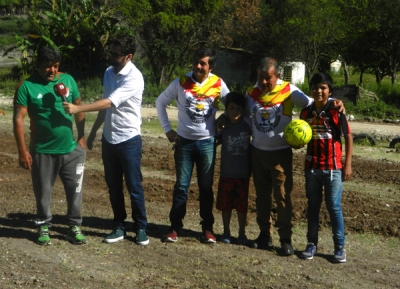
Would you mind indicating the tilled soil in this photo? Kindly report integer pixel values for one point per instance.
(187, 264)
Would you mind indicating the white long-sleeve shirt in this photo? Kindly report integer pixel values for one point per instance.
(124, 90)
(197, 105)
(271, 112)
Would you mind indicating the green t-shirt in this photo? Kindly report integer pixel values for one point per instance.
(51, 127)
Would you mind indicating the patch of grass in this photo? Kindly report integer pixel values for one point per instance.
(372, 190)
(152, 126)
(378, 152)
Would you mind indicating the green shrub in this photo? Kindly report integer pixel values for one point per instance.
(151, 92)
(7, 83)
(375, 109)
(91, 89)
(390, 94)
(14, 25)
(7, 40)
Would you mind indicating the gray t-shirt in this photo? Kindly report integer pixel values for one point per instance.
(235, 151)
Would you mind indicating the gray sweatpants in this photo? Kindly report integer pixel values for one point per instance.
(45, 169)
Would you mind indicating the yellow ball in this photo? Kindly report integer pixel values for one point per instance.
(298, 133)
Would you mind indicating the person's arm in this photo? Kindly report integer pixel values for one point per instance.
(162, 102)
(97, 124)
(101, 104)
(338, 104)
(25, 158)
(80, 124)
(347, 171)
(301, 100)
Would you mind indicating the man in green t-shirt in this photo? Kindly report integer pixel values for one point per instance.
(53, 150)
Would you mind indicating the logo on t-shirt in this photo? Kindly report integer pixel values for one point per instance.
(199, 110)
(40, 96)
(266, 119)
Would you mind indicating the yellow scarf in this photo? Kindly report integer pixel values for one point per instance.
(211, 89)
(279, 95)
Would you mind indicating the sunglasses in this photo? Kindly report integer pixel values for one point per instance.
(114, 54)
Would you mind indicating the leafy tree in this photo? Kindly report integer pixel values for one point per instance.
(303, 30)
(238, 24)
(77, 28)
(373, 36)
(169, 31)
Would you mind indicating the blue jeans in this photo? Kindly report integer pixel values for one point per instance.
(187, 153)
(331, 182)
(123, 161)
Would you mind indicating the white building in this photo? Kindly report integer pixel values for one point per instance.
(293, 72)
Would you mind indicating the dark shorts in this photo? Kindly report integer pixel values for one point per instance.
(233, 194)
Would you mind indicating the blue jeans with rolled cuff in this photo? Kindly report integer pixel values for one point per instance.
(329, 181)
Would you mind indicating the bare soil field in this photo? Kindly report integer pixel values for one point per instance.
(371, 205)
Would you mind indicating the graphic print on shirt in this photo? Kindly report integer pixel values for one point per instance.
(199, 110)
(239, 145)
(268, 108)
(266, 119)
(200, 101)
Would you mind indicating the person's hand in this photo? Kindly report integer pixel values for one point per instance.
(70, 108)
(297, 147)
(89, 141)
(338, 104)
(172, 136)
(82, 143)
(220, 123)
(25, 160)
(347, 172)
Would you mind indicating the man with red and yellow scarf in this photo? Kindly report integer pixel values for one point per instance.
(269, 104)
(197, 95)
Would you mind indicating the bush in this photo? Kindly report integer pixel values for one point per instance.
(390, 94)
(376, 109)
(91, 89)
(14, 25)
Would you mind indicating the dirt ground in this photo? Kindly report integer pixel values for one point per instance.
(372, 220)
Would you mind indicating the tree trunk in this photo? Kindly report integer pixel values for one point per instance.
(346, 73)
(361, 76)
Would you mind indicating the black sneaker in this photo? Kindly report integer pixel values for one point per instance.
(286, 248)
(263, 241)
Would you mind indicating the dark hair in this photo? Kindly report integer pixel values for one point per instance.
(235, 97)
(268, 62)
(127, 43)
(203, 52)
(321, 77)
(47, 54)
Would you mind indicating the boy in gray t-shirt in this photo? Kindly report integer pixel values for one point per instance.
(233, 187)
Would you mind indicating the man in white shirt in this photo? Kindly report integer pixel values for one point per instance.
(197, 95)
(121, 142)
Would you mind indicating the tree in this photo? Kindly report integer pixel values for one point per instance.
(77, 28)
(373, 36)
(303, 30)
(169, 31)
